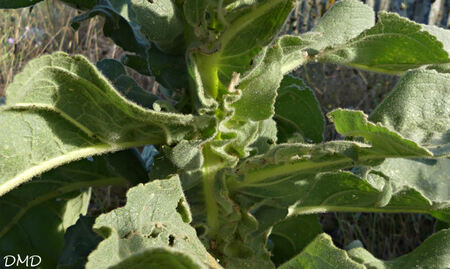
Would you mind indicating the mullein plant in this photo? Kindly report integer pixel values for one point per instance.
(242, 169)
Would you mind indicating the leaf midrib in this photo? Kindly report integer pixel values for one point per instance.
(28, 174)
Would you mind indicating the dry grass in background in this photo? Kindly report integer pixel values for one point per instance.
(26, 34)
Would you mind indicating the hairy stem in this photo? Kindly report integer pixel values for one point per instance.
(290, 168)
(212, 164)
(350, 209)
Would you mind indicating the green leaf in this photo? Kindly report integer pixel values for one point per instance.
(259, 87)
(111, 69)
(156, 216)
(17, 3)
(60, 109)
(159, 21)
(265, 186)
(267, 137)
(297, 112)
(322, 253)
(344, 20)
(79, 241)
(240, 42)
(345, 192)
(119, 25)
(128, 164)
(292, 235)
(427, 176)
(287, 160)
(36, 215)
(433, 253)
(441, 34)
(355, 124)
(203, 101)
(169, 70)
(195, 12)
(393, 45)
(248, 34)
(125, 84)
(160, 258)
(418, 109)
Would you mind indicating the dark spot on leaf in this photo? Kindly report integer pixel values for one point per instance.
(171, 240)
(155, 232)
(128, 235)
(200, 230)
(183, 211)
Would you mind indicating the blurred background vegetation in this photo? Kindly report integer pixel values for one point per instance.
(28, 33)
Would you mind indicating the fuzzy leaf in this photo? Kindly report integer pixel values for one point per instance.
(297, 112)
(393, 45)
(159, 21)
(292, 235)
(345, 192)
(355, 124)
(344, 20)
(36, 215)
(156, 216)
(441, 34)
(322, 253)
(247, 36)
(259, 86)
(286, 160)
(433, 253)
(240, 42)
(60, 109)
(160, 258)
(428, 176)
(418, 109)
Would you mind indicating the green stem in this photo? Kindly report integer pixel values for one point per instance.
(245, 20)
(290, 168)
(254, 177)
(209, 64)
(349, 209)
(207, 67)
(212, 164)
